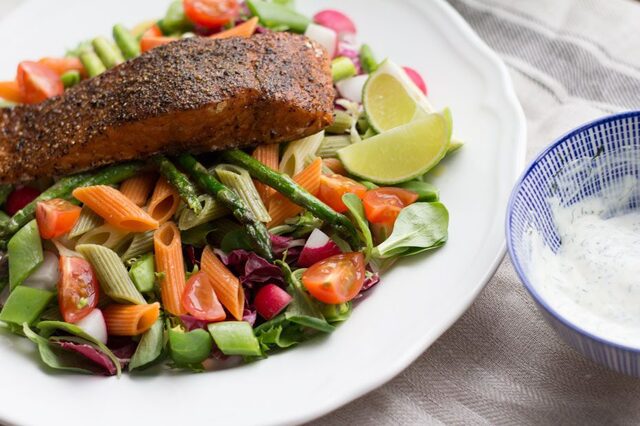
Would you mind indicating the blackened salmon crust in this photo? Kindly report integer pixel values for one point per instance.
(192, 95)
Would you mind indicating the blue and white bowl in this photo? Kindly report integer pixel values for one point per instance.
(528, 208)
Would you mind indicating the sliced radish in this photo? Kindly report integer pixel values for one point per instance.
(337, 21)
(318, 247)
(324, 36)
(271, 300)
(416, 78)
(351, 88)
(47, 275)
(19, 198)
(94, 325)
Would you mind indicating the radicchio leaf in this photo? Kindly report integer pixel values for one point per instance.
(192, 323)
(103, 363)
(251, 268)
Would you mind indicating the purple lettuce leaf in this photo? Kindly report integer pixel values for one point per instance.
(103, 364)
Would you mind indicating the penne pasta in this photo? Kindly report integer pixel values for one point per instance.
(105, 235)
(87, 221)
(294, 156)
(280, 208)
(112, 275)
(211, 209)
(240, 181)
(226, 286)
(164, 201)
(170, 263)
(115, 208)
(331, 145)
(130, 320)
(269, 155)
(138, 188)
(140, 244)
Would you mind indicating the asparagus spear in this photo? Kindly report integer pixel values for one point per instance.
(63, 189)
(126, 42)
(181, 182)
(5, 190)
(256, 230)
(287, 187)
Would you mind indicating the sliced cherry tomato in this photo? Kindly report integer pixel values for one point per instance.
(335, 165)
(200, 300)
(78, 288)
(336, 279)
(10, 91)
(333, 187)
(211, 13)
(383, 205)
(56, 217)
(37, 82)
(148, 43)
(63, 65)
(381, 231)
(153, 31)
(19, 198)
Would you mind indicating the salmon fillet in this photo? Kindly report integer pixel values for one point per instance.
(192, 95)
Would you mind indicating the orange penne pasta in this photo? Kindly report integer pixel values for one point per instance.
(137, 188)
(280, 208)
(170, 263)
(225, 284)
(269, 155)
(164, 201)
(130, 320)
(115, 208)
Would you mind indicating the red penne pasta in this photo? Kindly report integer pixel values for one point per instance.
(115, 208)
(225, 284)
(280, 208)
(130, 320)
(170, 263)
(164, 201)
(137, 188)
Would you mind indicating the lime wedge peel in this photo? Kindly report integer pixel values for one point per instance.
(391, 99)
(400, 154)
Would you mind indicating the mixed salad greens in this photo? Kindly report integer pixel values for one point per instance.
(197, 262)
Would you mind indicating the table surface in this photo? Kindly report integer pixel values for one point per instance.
(571, 61)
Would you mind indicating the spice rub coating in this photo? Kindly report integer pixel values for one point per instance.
(192, 95)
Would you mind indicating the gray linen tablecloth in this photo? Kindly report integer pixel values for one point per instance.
(571, 61)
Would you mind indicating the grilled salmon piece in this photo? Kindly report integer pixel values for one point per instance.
(192, 95)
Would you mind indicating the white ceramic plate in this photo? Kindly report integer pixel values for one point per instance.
(416, 302)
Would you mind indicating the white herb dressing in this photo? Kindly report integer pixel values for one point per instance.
(593, 280)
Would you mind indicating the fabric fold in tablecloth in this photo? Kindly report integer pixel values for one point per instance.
(571, 61)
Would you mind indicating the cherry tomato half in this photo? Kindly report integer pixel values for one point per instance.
(56, 217)
(200, 300)
(211, 13)
(38, 82)
(63, 65)
(333, 187)
(78, 288)
(383, 205)
(336, 279)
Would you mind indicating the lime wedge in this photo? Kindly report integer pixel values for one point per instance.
(391, 99)
(400, 154)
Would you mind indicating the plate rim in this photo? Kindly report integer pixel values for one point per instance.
(414, 351)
